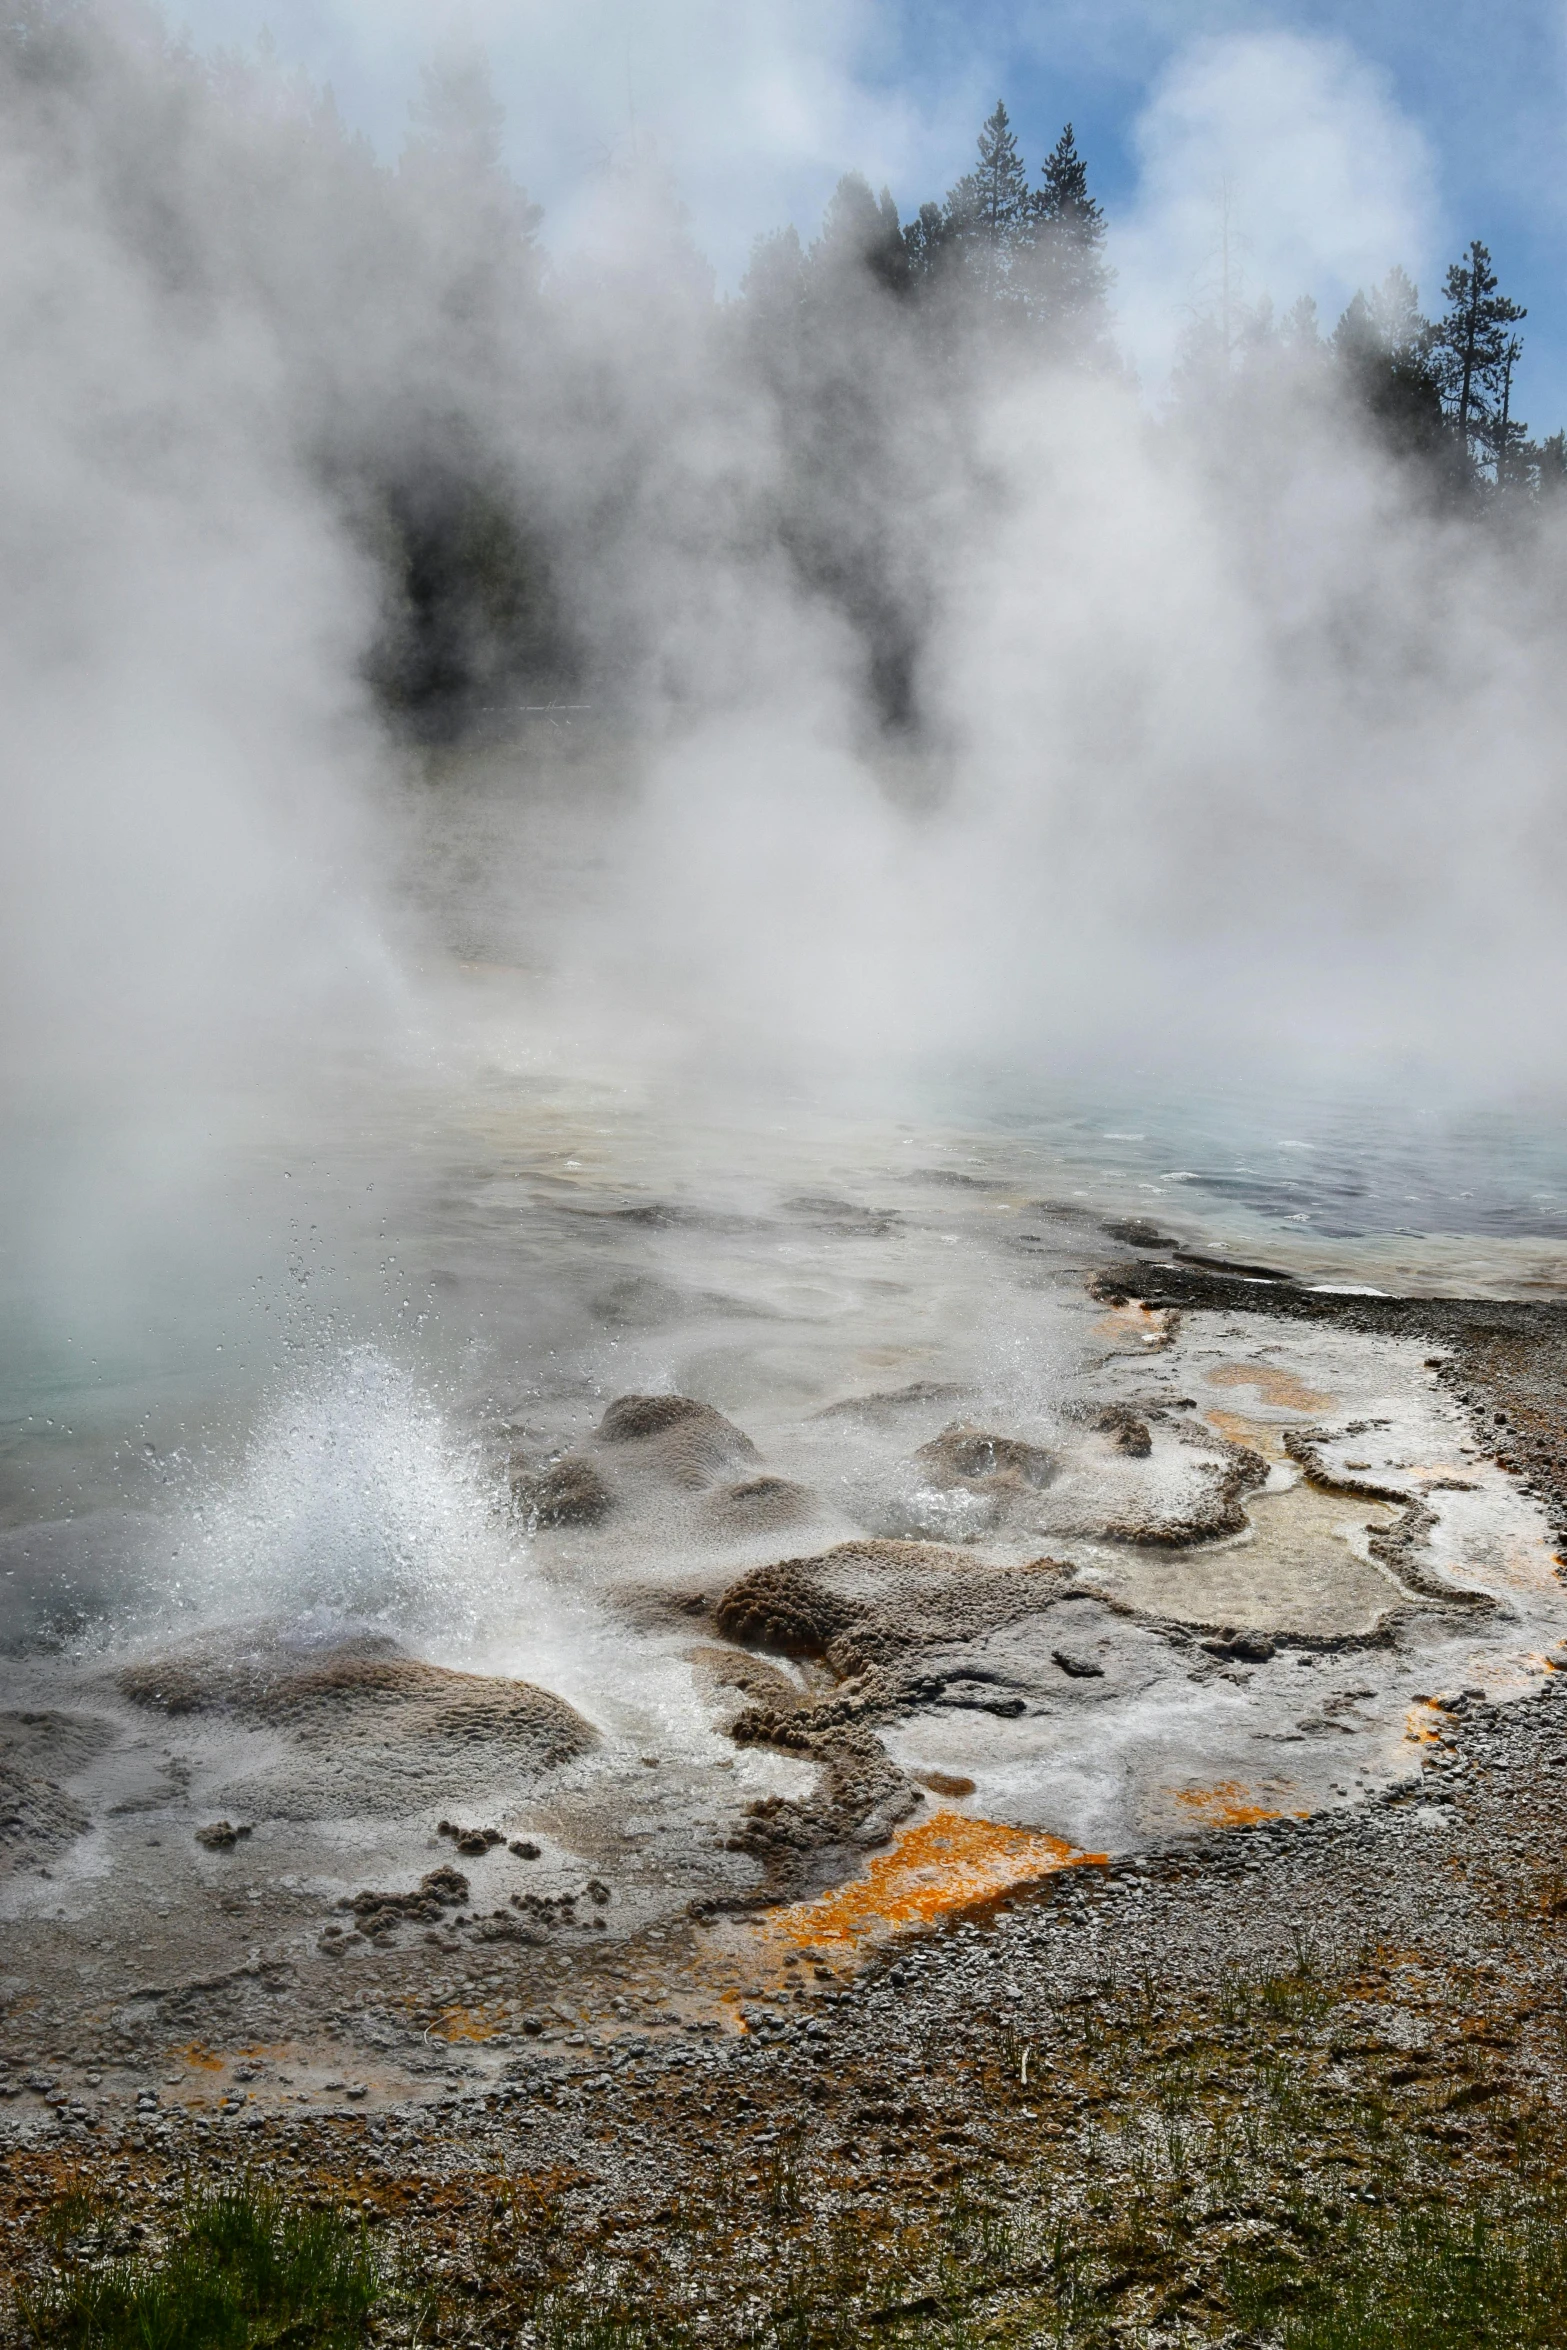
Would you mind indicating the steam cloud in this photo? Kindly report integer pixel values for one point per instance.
(962, 704)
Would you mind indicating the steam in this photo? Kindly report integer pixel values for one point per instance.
(1292, 154)
(356, 1504)
(1014, 717)
(186, 743)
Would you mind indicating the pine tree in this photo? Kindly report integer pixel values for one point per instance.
(1063, 195)
(888, 258)
(1551, 466)
(927, 241)
(772, 291)
(861, 232)
(989, 209)
(455, 161)
(1000, 184)
(457, 118)
(1470, 346)
(1068, 280)
(1397, 320)
(1383, 344)
(1300, 329)
(1506, 436)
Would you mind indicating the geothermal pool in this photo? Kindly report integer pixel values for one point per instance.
(610, 1522)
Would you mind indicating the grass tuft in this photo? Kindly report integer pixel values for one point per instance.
(1431, 2280)
(244, 2270)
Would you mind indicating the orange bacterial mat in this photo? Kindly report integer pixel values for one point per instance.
(945, 1863)
(1230, 1804)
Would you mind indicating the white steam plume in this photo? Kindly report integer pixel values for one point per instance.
(1293, 149)
(1212, 727)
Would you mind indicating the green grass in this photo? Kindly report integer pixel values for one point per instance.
(608, 2320)
(990, 2280)
(244, 2270)
(1493, 2279)
(1229, 2173)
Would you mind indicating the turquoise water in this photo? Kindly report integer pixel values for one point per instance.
(1347, 1166)
(517, 1235)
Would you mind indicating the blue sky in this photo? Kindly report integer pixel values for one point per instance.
(1350, 133)
(1486, 87)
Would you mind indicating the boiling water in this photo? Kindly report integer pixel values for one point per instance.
(277, 1380)
(257, 1366)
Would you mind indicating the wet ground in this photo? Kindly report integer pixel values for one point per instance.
(689, 1703)
(1103, 2094)
(860, 1640)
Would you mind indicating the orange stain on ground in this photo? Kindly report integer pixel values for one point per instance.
(1281, 1388)
(945, 1863)
(471, 2023)
(1230, 1804)
(1135, 1325)
(204, 2060)
(1256, 1435)
(1508, 1676)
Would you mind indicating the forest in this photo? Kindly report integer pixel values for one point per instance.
(523, 450)
(1000, 255)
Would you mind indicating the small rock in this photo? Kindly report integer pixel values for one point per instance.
(1252, 1648)
(570, 1492)
(1128, 1428)
(1080, 1668)
(1138, 1232)
(382, 1913)
(472, 1842)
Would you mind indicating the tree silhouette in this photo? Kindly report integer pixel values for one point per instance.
(1506, 436)
(1069, 280)
(1383, 344)
(861, 232)
(990, 209)
(1471, 347)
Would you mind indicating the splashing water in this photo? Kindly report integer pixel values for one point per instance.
(355, 1501)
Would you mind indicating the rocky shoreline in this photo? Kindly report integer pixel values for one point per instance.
(1215, 2054)
(1301, 2001)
